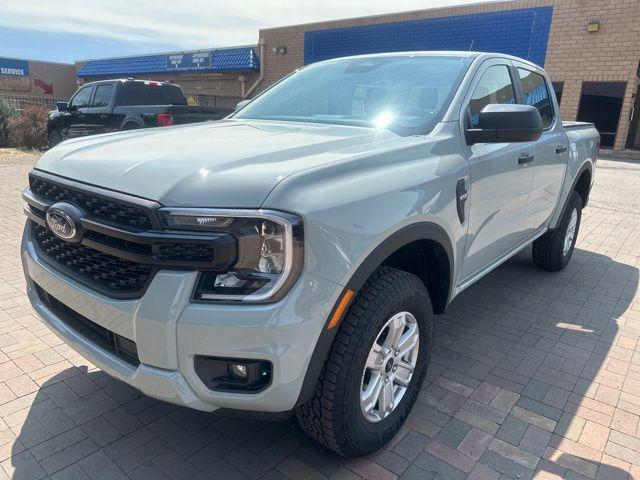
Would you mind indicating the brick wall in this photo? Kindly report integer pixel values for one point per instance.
(60, 77)
(572, 56)
(224, 84)
(610, 55)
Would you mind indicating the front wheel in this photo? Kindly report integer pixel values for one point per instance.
(553, 250)
(375, 368)
(55, 136)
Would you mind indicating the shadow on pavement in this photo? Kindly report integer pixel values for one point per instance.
(546, 337)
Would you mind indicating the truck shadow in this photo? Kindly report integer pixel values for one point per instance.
(559, 340)
(552, 339)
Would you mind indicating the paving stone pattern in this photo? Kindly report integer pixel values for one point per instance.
(534, 375)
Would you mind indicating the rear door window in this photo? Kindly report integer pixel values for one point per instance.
(536, 93)
(134, 93)
(102, 97)
(154, 95)
(495, 87)
(172, 95)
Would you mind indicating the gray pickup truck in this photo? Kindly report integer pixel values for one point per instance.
(291, 257)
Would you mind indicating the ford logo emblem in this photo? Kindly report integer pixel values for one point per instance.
(64, 220)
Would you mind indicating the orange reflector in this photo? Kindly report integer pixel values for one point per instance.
(342, 306)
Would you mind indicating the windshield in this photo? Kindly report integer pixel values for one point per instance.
(406, 94)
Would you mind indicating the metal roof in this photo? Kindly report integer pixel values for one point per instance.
(240, 59)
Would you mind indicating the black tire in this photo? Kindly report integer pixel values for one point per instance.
(548, 250)
(54, 137)
(333, 415)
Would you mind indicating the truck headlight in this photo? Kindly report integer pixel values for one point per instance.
(270, 251)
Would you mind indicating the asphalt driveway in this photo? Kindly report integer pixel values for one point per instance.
(534, 375)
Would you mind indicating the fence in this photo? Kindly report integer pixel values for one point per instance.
(19, 102)
(213, 100)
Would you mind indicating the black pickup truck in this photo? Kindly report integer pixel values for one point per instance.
(125, 104)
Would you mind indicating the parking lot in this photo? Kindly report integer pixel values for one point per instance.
(534, 375)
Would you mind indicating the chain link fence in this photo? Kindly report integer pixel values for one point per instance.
(19, 102)
(212, 100)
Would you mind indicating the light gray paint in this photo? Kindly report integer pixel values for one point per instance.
(353, 187)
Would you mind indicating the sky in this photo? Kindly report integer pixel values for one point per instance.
(69, 30)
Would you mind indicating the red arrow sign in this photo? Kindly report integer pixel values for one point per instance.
(46, 89)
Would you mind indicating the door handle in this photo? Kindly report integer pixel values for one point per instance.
(561, 149)
(524, 159)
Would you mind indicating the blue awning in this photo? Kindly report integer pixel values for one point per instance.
(241, 59)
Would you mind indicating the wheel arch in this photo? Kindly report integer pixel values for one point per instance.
(434, 251)
(393, 251)
(581, 184)
(127, 123)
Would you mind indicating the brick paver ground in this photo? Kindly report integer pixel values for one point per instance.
(534, 375)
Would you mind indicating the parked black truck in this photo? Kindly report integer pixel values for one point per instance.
(125, 104)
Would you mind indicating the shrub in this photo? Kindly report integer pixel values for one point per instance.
(6, 113)
(29, 130)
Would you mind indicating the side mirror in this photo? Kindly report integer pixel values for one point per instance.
(241, 104)
(502, 123)
(62, 106)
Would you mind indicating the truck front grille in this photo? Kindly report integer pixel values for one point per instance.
(96, 207)
(112, 275)
(121, 242)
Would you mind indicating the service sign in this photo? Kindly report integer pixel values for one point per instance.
(14, 68)
(189, 61)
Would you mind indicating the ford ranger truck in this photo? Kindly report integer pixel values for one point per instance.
(291, 257)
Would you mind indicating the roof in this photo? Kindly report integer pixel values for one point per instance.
(129, 80)
(417, 53)
(239, 59)
(439, 53)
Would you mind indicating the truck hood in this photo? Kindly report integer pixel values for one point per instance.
(230, 163)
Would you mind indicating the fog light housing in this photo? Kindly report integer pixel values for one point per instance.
(233, 374)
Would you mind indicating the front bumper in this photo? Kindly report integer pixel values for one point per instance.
(169, 331)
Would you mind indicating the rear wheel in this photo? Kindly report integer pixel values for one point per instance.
(554, 249)
(130, 126)
(375, 368)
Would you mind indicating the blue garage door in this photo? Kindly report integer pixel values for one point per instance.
(522, 32)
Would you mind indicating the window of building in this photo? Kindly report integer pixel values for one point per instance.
(557, 88)
(633, 139)
(82, 98)
(495, 86)
(102, 96)
(537, 94)
(601, 104)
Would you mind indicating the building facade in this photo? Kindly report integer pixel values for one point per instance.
(36, 79)
(223, 71)
(590, 48)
